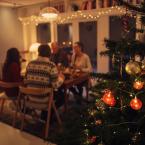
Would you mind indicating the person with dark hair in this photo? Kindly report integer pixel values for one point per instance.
(11, 71)
(81, 60)
(42, 73)
(44, 50)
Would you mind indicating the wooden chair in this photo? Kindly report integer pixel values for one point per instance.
(9, 85)
(31, 101)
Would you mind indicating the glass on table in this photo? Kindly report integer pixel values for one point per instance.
(60, 67)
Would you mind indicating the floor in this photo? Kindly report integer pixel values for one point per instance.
(10, 135)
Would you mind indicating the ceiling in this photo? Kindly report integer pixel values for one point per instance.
(17, 3)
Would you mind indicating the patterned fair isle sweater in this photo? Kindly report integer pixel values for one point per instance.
(42, 73)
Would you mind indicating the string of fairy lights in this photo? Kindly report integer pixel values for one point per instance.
(99, 122)
(101, 108)
(86, 14)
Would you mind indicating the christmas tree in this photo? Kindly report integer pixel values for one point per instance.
(117, 117)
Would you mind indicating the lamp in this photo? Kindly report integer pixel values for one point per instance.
(49, 12)
(34, 50)
(34, 47)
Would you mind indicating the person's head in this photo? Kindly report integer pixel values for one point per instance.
(78, 48)
(54, 47)
(13, 55)
(44, 50)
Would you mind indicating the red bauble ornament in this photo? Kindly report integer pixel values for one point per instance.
(98, 122)
(136, 104)
(138, 85)
(108, 98)
(92, 139)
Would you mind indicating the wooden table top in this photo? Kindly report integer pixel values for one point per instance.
(76, 80)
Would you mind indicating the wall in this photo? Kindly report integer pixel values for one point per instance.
(10, 32)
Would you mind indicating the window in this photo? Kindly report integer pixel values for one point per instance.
(43, 33)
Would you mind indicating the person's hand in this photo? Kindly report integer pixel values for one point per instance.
(78, 69)
(59, 65)
(61, 76)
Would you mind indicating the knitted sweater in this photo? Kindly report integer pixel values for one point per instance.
(42, 73)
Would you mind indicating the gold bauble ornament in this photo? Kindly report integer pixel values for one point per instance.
(101, 143)
(132, 68)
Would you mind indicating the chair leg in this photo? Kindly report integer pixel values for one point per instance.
(23, 118)
(57, 114)
(66, 100)
(15, 113)
(2, 106)
(48, 119)
(87, 93)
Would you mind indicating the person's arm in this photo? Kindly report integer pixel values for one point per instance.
(88, 67)
(56, 79)
(26, 75)
(72, 60)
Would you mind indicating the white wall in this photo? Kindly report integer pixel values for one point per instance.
(10, 31)
(102, 33)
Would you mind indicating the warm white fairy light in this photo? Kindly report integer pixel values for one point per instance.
(66, 17)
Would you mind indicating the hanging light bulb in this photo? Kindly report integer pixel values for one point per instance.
(49, 12)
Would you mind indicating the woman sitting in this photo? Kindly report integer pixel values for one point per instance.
(11, 71)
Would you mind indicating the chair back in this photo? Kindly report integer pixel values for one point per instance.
(9, 85)
(37, 98)
(35, 91)
(33, 101)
